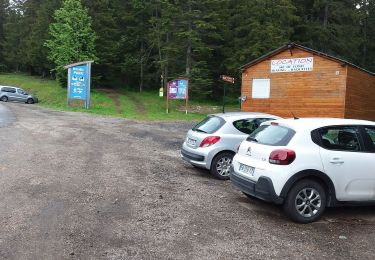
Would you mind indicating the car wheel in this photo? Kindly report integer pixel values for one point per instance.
(4, 99)
(220, 166)
(30, 101)
(306, 201)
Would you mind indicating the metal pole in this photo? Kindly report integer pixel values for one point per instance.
(167, 98)
(224, 100)
(187, 96)
(88, 87)
(68, 87)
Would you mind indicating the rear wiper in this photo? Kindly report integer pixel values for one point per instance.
(252, 139)
(199, 130)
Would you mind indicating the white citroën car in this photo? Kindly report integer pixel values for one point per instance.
(308, 164)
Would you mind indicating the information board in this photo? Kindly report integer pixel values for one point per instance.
(78, 82)
(79, 79)
(292, 65)
(177, 89)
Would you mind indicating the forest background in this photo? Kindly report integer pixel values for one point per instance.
(140, 44)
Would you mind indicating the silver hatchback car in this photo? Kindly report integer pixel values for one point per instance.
(213, 142)
(8, 93)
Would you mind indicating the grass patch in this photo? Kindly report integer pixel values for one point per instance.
(129, 104)
(128, 107)
(133, 105)
(149, 106)
(52, 95)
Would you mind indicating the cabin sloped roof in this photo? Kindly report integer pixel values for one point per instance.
(294, 45)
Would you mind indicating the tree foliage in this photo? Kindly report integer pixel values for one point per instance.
(3, 16)
(72, 38)
(140, 42)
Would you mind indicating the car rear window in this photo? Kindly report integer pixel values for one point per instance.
(273, 135)
(247, 126)
(6, 89)
(209, 125)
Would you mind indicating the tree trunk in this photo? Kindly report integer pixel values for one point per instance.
(326, 13)
(188, 50)
(162, 65)
(364, 54)
(142, 70)
(166, 71)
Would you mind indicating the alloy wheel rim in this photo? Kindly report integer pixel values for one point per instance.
(308, 202)
(223, 166)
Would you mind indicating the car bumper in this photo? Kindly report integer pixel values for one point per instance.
(262, 189)
(193, 158)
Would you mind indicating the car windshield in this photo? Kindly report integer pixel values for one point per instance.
(209, 125)
(274, 135)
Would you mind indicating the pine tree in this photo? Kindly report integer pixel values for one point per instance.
(162, 36)
(330, 26)
(135, 45)
(13, 38)
(36, 51)
(198, 35)
(366, 10)
(72, 38)
(257, 28)
(3, 15)
(106, 17)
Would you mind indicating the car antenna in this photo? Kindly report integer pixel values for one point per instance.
(294, 116)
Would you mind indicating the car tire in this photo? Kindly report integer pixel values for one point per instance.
(220, 166)
(305, 202)
(4, 98)
(30, 101)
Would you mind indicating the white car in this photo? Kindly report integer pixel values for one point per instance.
(308, 164)
(213, 142)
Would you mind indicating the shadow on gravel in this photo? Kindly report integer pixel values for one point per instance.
(269, 210)
(340, 215)
(350, 215)
(199, 172)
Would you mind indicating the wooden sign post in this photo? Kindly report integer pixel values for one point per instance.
(226, 79)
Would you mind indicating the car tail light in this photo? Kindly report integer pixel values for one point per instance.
(208, 141)
(282, 157)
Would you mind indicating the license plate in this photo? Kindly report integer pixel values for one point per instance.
(245, 169)
(191, 142)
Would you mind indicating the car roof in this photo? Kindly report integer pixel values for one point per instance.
(1, 86)
(231, 116)
(314, 123)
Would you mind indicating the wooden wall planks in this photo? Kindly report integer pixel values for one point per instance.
(320, 92)
(360, 95)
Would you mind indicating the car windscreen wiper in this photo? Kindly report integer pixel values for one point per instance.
(252, 139)
(200, 130)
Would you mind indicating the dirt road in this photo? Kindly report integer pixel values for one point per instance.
(80, 186)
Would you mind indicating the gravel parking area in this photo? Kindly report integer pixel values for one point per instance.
(80, 186)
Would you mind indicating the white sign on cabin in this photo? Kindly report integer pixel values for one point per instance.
(292, 65)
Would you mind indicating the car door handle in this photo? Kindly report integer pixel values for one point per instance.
(336, 161)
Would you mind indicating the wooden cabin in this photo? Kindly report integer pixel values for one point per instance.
(296, 80)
